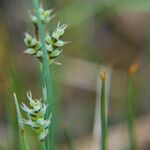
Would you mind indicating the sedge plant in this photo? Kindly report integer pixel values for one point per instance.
(46, 47)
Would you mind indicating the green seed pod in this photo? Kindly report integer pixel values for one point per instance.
(34, 19)
(30, 51)
(43, 134)
(39, 54)
(59, 31)
(49, 47)
(47, 13)
(59, 43)
(48, 39)
(38, 46)
(27, 39)
(42, 18)
(41, 10)
(33, 42)
(55, 53)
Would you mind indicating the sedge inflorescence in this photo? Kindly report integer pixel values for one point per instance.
(45, 16)
(53, 41)
(36, 116)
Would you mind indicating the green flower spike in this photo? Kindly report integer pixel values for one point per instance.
(45, 16)
(36, 116)
(60, 30)
(33, 45)
(53, 42)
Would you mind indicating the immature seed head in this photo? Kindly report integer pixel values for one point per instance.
(53, 42)
(45, 16)
(36, 116)
(59, 31)
(34, 46)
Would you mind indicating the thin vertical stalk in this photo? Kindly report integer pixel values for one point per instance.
(43, 145)
(97, 121)
(131, 125)
(46, 76)
(103, 114)
(23, 138)
(130, 108)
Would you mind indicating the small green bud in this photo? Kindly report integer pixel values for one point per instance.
(39, 54)
(42, 18)
(43, 134)
(41, 10)
(48, 39)
(34, 19)
(55, 53)
(59, 43)
(33, 42)
(38, 46)
(30, 51)
(59, 31)
(49, 47)
(27, 39)
(47, 13)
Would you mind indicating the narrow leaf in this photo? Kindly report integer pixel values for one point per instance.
(23, 138)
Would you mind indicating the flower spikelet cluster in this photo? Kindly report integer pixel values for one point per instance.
(53, 41)
(45, 16)
(36, 116)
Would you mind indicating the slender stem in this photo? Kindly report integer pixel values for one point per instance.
(36, 31)
(43, 145)
(131, 117)
(46, 76)
(103, 115)
(23, 138)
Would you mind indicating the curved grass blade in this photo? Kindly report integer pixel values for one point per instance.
(23, 138)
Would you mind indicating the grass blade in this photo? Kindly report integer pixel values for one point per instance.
(23, 138)
(103, 113)
(130, 108)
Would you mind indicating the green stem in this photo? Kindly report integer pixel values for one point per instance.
(46, 76)
(43, 145)
(23, 138)
(131, 115)
(103, 117)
